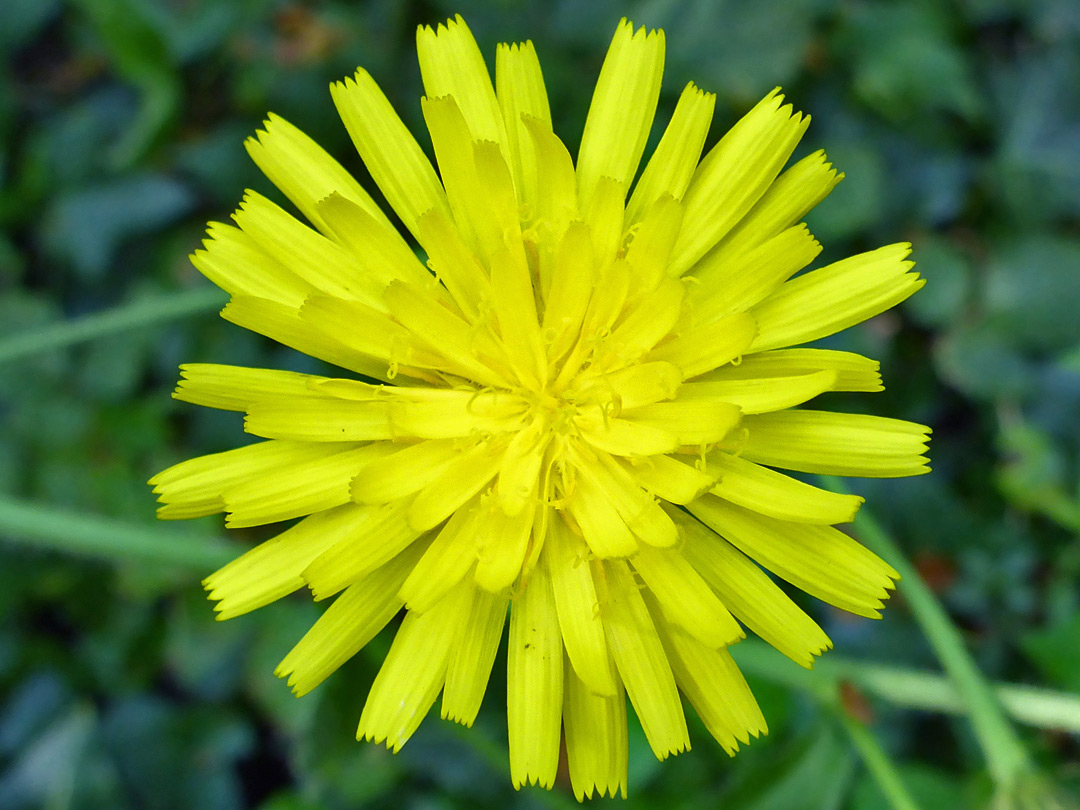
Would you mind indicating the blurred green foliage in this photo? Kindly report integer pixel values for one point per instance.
(121, 130)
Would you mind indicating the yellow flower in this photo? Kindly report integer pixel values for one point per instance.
(574, 409)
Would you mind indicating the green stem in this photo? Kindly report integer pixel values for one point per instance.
(917, 689)
(43, 526)
(879, 764)
(758, 659)
(124, 318)
(497, 758)
(1006, 757)
(908, 688)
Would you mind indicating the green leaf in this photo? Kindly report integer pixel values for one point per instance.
(930, 788)
(86, 227)
(1033, 473)
(1032, 288)
(813, 774)
(1056, 652)
(948, 273)
(982, 362)
(141, 55)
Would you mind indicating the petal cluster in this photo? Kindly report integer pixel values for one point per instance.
(570, 417)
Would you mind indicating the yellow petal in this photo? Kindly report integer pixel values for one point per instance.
(379, 254)
(684, 597)
(496, 216)
(442, 331)
(330, 419)
(519, 472)
(392, 156)
(820, 560)
(571, 286)
(235, 262)
(504, 542)
(472, 657)
(234, 388)
(830, 299)
(621, 437)
(319, 261)
(319, 419)
(273, 569)
(631, 387)
(195, 487)
(707, 347)
(669, 478)
(405, 471)
(556, 196)
(763, 394)
(853, 371)
(716, 689)
(451, 65)
(534, 681)
(434, 413)
(596, 739)
(285, 325)
(463, 478)
(605, 306)
(515, 308)
(786, 202)
(298, 489)
(306, 173)
(771, 493)
(640, 511)
(750, 593)
(369, 332)
(604, 530)
(676, 157)
(579, 609)
(519, 86)
(449, 557)
(413, 672)
(642, 663)
(622, 109)
(646, 322)
(603, 213)
(376, 536)
(695, 421)
(735, 285)
(454, 264)
(454, 152)
(354, 619)
(837, 443)
(734, 176)
(478, 181)
(653, 239)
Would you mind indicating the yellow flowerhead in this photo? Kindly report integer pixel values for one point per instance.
(574, 408)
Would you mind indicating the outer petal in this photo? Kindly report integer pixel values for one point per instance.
(642, 662)
(837, 443)
(828, 300)
(734, 176)
(451, 65)
(534, 684)
(413, 673)
(622, 109)
(676, 157)
(390, 152)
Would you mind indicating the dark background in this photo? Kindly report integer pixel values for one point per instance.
(121, 130)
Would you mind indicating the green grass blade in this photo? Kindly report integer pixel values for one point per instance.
(124, 318)
(46, 526)
(1006, 757)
